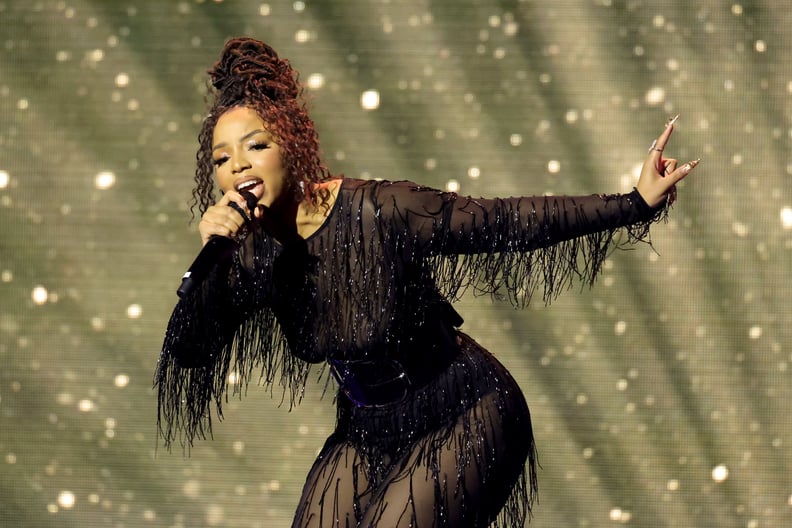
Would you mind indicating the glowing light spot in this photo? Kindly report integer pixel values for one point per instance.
(740, 229)
(737, 9)
(66, 499)
(238, 447)
(299, 7)
(620, 516)
(97, 323)
(302, 36)
(64, 398)
(760, 46)
(233, 378)
(39, 295)
(121, 381)
(370, 100)
(23, 104)
(720, 473)
(104, 180)
(121, 80)
(553, 166)
(620, 328)
(474, 173)
(755, 332)
(10, 458)
(215, 515)
(315, 81)
(4, 179)
(134, 311)
(86, 405)
(786, 217)
(672, 485)
(515, 140)
(452, 186)
(191, 488)
(655, 96)
(265, 10)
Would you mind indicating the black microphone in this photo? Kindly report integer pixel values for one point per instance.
(216, 250)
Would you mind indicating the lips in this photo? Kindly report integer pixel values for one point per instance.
(255, 186)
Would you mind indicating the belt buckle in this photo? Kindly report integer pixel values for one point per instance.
(371, 383)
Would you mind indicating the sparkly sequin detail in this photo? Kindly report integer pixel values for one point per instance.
(372, 284)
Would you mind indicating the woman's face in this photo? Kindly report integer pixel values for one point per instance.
(246, 156)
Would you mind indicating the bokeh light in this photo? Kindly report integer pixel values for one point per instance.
(658, 396)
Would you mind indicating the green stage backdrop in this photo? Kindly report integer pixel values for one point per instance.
(660, 397)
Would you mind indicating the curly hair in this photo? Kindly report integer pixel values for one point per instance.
(250, 73)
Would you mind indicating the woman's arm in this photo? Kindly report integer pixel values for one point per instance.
(512, 244)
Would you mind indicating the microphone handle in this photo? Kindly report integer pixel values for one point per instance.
(217, 249)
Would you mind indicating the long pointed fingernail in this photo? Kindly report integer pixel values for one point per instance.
(672, 120)
(690, 165)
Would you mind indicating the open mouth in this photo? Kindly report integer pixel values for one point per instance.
(253, 185)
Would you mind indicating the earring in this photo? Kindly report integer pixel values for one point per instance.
(300, 194)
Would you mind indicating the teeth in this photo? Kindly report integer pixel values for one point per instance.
(247, 184)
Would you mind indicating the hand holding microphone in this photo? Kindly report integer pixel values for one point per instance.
(218, 227)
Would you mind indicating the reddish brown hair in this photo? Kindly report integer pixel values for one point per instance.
(250, 73)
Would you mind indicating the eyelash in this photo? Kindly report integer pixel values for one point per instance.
(255, 146)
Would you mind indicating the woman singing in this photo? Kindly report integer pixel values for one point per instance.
(358, 276)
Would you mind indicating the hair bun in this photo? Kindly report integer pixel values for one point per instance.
(253, 68)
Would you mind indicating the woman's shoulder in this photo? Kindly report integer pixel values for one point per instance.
(378, 185)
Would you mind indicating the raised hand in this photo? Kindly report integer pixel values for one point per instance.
(660, 175)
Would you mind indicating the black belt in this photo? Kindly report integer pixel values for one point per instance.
(389, 377)
(383, 380)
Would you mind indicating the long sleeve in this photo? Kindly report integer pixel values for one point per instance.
(216, 341)
(511, 246)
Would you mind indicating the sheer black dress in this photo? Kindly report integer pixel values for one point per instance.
(431, 429)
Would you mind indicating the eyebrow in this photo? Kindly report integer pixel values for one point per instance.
(243, 138)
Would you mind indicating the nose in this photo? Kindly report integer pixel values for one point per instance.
(239, 164)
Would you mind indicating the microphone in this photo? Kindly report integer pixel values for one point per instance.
(216, 250)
